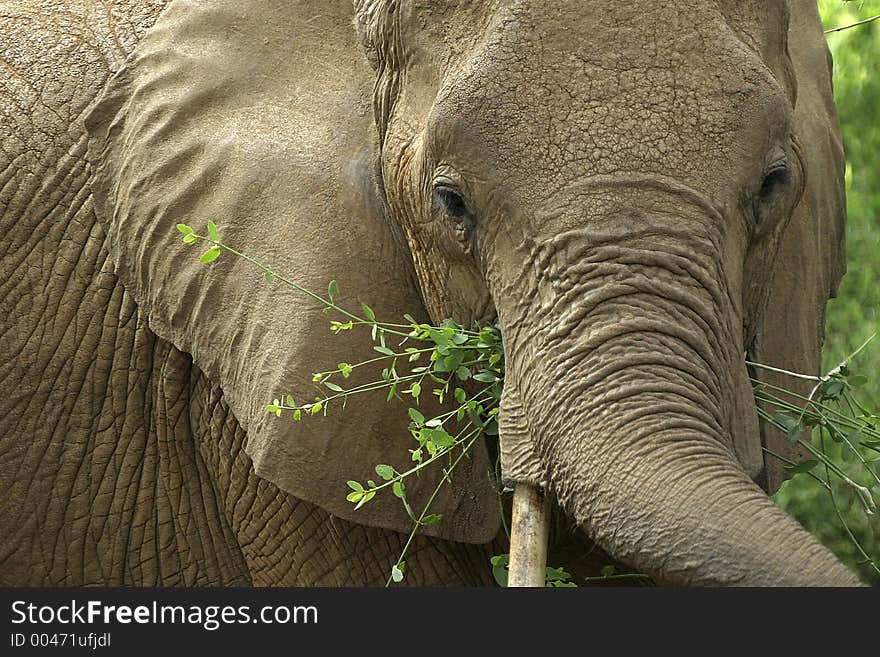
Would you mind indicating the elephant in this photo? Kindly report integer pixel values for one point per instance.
(638, 194)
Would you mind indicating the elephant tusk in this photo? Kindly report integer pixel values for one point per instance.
(529, 533)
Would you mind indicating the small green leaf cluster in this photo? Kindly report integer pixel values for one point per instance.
(191, 237)
(463, 369)
(554, 577)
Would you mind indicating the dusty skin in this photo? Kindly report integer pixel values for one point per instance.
(638, 192)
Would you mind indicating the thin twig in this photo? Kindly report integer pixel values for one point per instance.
(430, 501)
(846, 27)
(796, 375)
(843, 363)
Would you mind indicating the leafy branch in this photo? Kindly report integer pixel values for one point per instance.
(833, 411)
(451, 362)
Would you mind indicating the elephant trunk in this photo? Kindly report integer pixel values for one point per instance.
(621, 379)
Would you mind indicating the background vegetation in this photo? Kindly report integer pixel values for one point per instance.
(855, 314)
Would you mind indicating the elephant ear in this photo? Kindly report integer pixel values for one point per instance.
(811, 258)
(257, 116)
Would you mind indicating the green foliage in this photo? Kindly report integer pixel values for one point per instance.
(855, 314)
(464, 368)
(554, 577)
(843, 438)
(832, 411)
(422, 358)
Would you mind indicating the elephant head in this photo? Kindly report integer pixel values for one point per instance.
(621, 186)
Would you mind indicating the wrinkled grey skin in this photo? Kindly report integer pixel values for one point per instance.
(612, 183)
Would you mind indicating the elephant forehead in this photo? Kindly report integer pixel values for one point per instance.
(590, 92)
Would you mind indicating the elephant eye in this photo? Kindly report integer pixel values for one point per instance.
(450, 201)
(777, 177)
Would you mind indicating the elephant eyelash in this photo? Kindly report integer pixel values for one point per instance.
(777, 177)
(453, 206)
(451, 202)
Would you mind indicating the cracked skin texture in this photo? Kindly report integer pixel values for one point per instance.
(130, 458)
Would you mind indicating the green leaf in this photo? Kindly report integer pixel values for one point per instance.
(438, 337)
(366, 498)
(290, 401)
(297, 415)
(212, 231)
(183, 228)
(792, 427)
(438, 436)
(190, 239)
(434, 422)
(499, 569)
(460, 395)
(355, 485)
(608, 571)
(332, 289)
(432, 519)
(556, 575)
(355, 496)
(269, 276)
(346, 369)
(398, 489)
(463, 373)
(336, 327)
(383, 350)
(806, 466)
(416, 416)
(441, 366)
(210, 255)
(397, 572)
(459, 338)
(832, 389)
(332, 386)
(453, 360)
(416, 389)
(485, 377)
(857, 380)
(385, 471)
(368, 312)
